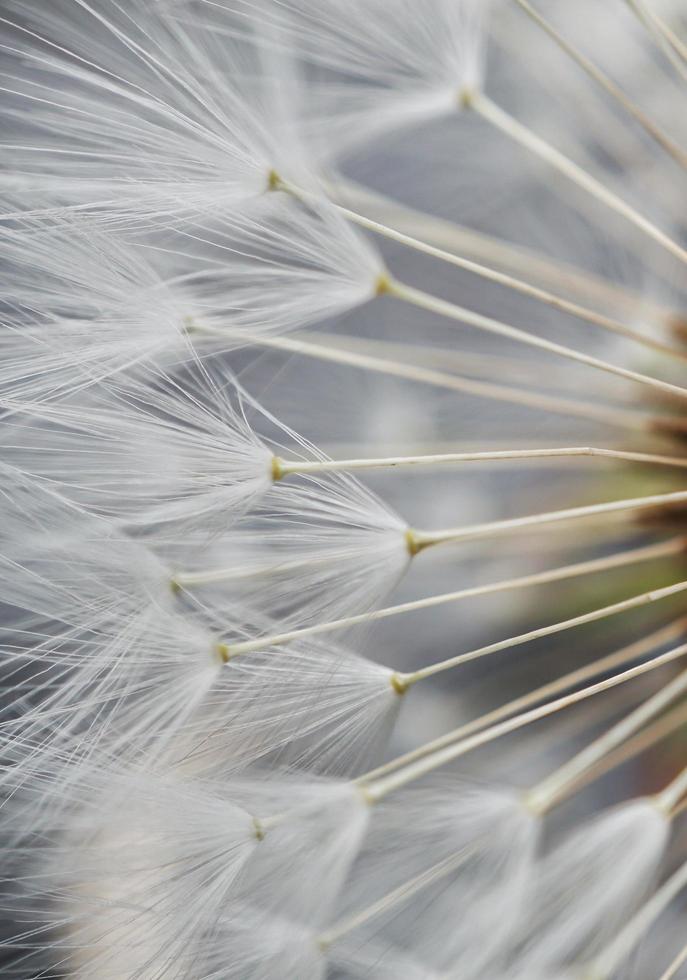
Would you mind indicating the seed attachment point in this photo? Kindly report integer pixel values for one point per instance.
(413, 542)
(222, 650)
(383, 286)
(400, 683)
(466, 98)
(258, 829)
(274, 181)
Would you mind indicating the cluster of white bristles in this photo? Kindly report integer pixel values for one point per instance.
(226, 751)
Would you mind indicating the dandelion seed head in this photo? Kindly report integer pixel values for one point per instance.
(381, 65)
(209, 233)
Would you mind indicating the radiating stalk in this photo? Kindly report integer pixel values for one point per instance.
(435, 758)
(621, 418)
(486, 272)
(606, 964)
(507, 124)
(608, 85)
(666, 725)
(670, 796)
(673, 48)
(288, 467)
(511, 282)
(612, 661)
(402, 893)
(675, 965)
(621, 560)
(406, 680)
(419, 540)
(519, 260)
(555, 787)
(451, 311)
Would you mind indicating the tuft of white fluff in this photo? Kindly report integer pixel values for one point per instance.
(119, 111)
(130, 880)
(587, 886)
(84, 304)
(106, 660)
(285, 265)
(447, 865)
(314, 549)
(289, 888)
(311, 706)
(81, 306)
(157, 449)
(383, 64)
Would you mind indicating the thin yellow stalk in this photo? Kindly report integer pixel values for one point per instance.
(621, 560)
(432, 304)
(558, 785)
(674, 49)
(397, 445)
(435, 757)
(400, 894)
(517, 369)
(515, 258)
(669, 797)
(617, 658)
(510, 282)
(609, 86)
(606, 964)
(425, 301)
(288, 467)
(419, 540)
(675, 965)
(516, 131)
(406, 680)
(621, 418)
(652, 734)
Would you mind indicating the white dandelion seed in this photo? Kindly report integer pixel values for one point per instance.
(433, 852)
(151, 450)
(117, 111)
(390, 65)
(106, 661)
(585, 888)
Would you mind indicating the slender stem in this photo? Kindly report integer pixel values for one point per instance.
(670, 796)
(451, 311)
(653, 733)
(484, 365)
(609, 86)
(517, 259)
(516, 131)
(675, 965)
(607, 963)
(621, 560)
(556, 786)
(676, 43)
(398, 895)
(377, 789)
(405, 680)
(288, 467)
(510, 282)
(621, 418)
(486, 272)
(672, 46)
(618, 658)
(418, 540)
